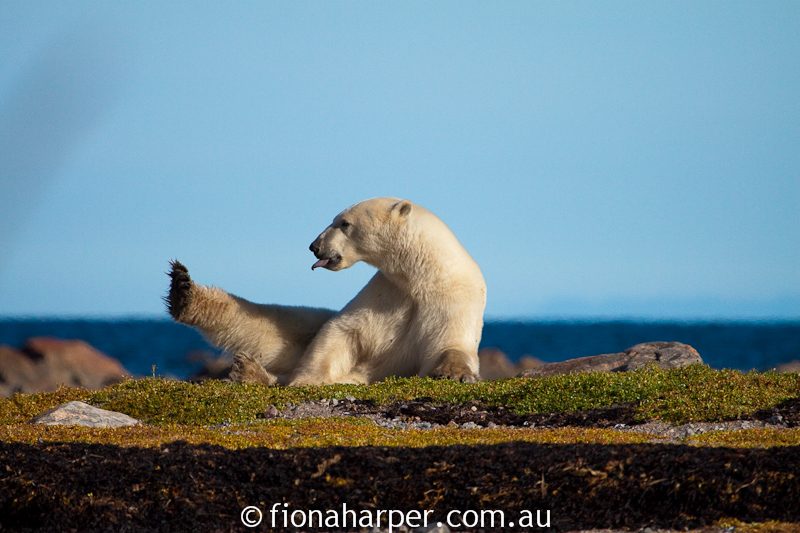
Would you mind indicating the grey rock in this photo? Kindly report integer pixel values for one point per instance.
(679, 433)
(83, 414)
(662, 354)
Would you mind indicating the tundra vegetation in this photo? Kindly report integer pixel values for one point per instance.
(231, 414)
(204, 438)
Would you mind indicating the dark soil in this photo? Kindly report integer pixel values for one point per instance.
(422, 409)
(425, 410)
(786, 413)
(91, 487)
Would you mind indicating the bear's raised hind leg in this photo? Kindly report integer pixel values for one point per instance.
(266, 341)
(179, 289)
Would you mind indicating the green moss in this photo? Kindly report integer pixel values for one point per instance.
(348, 431)
(695, 393)
(310, 432)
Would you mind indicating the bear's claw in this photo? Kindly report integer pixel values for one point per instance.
(179, 289)
(465, 377)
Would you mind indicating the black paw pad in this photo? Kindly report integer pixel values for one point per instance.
(179, 289)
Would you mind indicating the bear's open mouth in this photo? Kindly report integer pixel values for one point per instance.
(327, 262)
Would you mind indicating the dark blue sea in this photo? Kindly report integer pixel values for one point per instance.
(140, 344)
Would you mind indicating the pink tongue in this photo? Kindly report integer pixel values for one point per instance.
(320, 263)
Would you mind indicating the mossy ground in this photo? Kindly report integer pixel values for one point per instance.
(228, 414)
(313, 432)
(692, 394)
(203, 446)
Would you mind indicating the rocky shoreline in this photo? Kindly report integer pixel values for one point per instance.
(43, 364)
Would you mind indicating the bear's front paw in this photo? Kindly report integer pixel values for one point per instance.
(464, 376)
(179, 289)
(454, 367)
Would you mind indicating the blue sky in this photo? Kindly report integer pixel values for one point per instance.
(598, 159)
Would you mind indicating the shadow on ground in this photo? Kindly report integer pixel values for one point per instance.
(183, 487)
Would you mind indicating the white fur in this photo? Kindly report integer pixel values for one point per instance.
(426, 300)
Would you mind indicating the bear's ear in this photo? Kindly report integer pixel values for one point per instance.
(402, 208)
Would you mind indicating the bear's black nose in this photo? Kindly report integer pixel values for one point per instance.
(314, 248)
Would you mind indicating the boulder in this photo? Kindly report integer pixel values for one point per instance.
(17, 372)
(494, 364)
(528, 362)
(791, 366)
(662, 354)
(45, 363)
(83, 414)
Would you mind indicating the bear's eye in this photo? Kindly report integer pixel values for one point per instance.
(344, 225)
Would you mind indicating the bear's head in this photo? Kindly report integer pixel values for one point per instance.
(367, 231)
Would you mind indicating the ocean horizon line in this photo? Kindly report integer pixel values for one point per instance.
(545, 319)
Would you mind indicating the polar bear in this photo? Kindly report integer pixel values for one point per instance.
(420, 314)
